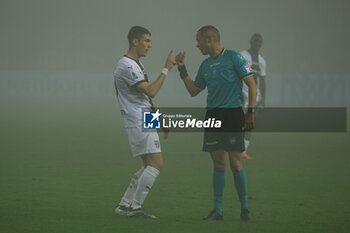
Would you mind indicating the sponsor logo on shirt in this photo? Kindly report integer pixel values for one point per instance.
(134, 76)
(241, 57)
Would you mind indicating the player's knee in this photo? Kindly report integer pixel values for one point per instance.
(154, 160)
(157, 164)
(236, 167)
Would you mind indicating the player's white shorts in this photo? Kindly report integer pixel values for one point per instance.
(143, 142)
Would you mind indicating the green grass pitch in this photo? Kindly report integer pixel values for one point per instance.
(64, 164)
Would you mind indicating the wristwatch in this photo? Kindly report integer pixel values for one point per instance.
(251, 110)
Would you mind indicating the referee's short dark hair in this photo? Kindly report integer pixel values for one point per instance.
(210, 30)
(136, 32)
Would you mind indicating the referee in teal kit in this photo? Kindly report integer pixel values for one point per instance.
(222, 73)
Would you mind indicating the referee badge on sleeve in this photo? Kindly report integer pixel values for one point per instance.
(248, 68)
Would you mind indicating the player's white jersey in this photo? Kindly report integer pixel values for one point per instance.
(259, 69)
(127, 74)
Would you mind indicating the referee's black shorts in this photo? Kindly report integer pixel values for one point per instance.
(230, 137)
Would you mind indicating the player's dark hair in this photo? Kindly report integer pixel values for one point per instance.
(210, 30)
(256, 35)
(136, 32)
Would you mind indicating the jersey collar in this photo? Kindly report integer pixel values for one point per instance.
(131, 58)
(222, 52)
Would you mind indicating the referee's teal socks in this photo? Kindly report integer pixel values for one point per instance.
(240, 179)
(219, 180)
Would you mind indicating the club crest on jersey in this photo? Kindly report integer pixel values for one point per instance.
(232, 140)
(151, 120)
(157, 143)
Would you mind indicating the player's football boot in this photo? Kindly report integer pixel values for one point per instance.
(213, 215)
(122, 210)
(139, 213)
(246, 156)
(245, 215)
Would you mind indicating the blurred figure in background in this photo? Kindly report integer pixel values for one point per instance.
(258, 64)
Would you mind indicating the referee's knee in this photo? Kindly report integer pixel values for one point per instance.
(221, 165)
(236, 167)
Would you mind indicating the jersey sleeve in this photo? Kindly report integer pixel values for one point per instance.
(246, 56)
(241, 66)
(263, 67)
(199, 80)
(132, 75)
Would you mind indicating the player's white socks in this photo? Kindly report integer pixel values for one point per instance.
(246, 144)
(145, 183)
(130, 191)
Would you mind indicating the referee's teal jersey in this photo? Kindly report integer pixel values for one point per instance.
(223, 77)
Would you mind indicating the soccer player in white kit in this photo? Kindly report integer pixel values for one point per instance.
(258, 64)
(134, 96)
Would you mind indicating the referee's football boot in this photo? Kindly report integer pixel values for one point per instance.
(122, 210)
(213, 215)
(139, 213)
(246, 216)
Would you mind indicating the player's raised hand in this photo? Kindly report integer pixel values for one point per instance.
(180, 58)
(170, 61)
